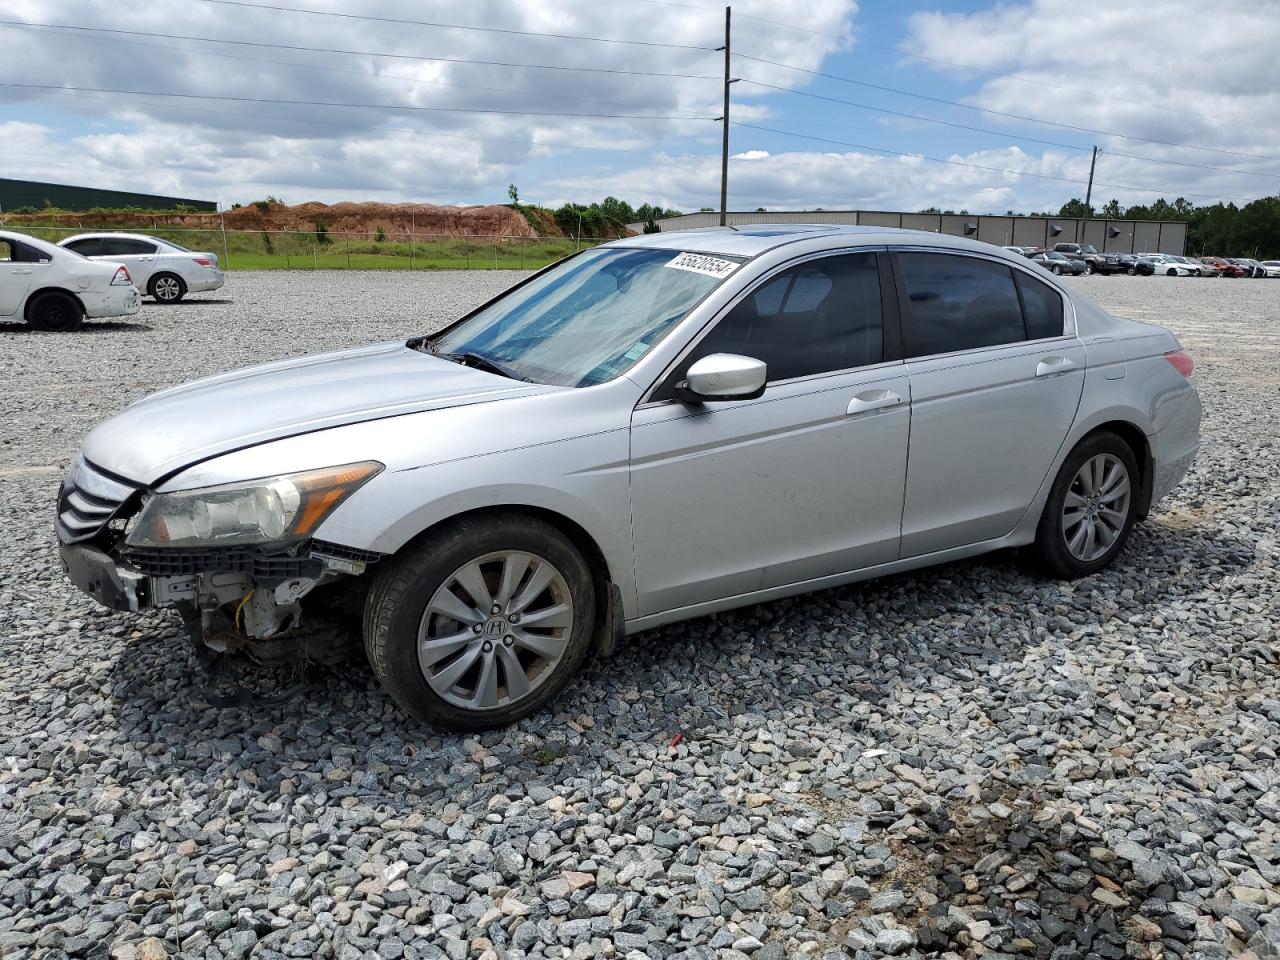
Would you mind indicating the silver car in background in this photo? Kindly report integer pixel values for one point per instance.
(651, 430)
(166, 271)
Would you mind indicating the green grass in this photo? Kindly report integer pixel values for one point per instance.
(251, 250)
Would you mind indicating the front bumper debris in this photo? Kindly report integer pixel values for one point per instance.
(112, 584)
(229, 599)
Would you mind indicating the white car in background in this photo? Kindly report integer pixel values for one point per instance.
(1165, 265)
(162, 268)
(56, 289)
(1272, 267)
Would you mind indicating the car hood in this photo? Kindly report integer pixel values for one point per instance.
(175, 428)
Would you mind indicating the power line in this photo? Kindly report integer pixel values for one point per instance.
(327, 69)
(992, 73)
(354, 53)
(275, 118)
(960, 163)
(453, 26)
(998, 113)
(362, 106)
(998, 133)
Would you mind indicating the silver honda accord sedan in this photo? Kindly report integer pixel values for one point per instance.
(654, 429)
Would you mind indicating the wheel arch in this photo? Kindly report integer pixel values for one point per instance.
(35, 295)
(610, 612)
(577, 534)
(1136, 441)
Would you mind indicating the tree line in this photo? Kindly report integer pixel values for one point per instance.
(1223, 229)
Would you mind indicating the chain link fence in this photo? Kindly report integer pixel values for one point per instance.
(328, 249)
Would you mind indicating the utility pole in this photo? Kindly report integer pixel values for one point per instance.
(1088, 194)
(724, 148)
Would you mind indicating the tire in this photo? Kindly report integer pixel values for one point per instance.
(55, 312)
(1130, 271)
(407, 597)
(1088, 269)
(1057, 271)
(1171, 273)
(167, 288)
(1112, 510)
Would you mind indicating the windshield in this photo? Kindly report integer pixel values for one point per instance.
(588, 319)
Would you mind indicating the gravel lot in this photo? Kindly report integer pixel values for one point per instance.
(964, 761)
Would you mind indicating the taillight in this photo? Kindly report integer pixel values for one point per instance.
(122, 278)
(203, 262)
(1182, 362)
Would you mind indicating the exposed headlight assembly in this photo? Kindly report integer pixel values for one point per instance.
(269, 510)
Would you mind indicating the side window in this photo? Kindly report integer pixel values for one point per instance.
(817, 317)
(89, 247)
(959, 303)
(125, 247)
(21, 253)
(6, 251)
(1043, 306)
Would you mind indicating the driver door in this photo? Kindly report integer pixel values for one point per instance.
(733, 497)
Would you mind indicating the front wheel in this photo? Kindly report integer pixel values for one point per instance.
(1171, 273)
(1088, 269)
(1091, 508)
(1130, 271)
(1057, 271)
(167, 288)
(482, 622)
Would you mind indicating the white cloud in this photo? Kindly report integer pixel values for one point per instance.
(1168, 72)
(240, 149)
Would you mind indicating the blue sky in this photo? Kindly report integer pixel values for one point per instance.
(1207, 95)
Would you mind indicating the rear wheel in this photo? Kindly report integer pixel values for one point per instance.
(1091, 508)
(55, 312)
(481, 623)
(167, 288)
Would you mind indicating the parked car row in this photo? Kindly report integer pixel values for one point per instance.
(56, 287)
(1074, 259)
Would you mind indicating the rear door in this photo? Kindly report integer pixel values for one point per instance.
(27, 269)
(138, 256)
(15, 278)
(996, 376)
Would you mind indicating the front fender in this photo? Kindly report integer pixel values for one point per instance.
(584, 481)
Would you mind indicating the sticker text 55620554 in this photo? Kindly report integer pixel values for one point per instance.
(701, 263)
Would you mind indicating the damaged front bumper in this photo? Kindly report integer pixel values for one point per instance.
(229, 599)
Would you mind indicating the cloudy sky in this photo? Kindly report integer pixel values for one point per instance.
(839, 104)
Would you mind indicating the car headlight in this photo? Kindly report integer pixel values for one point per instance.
(269, 510)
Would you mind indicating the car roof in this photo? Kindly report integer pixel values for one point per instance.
(751, 241)
(112, 233)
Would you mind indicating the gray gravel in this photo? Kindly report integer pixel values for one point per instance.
(964, 761)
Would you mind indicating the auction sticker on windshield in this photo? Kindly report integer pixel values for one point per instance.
(701, 263)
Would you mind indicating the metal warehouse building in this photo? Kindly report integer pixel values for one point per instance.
(22, 194)
(1121, 236)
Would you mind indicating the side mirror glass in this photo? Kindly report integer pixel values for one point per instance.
(723, 376)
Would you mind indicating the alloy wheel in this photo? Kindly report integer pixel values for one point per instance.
(1096, 507)
(166, 288)
(495, 630)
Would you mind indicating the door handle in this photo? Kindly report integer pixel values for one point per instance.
(22, 270)
(1054, 365)
(870, 400)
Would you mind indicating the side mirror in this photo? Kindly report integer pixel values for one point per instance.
(723, 376)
